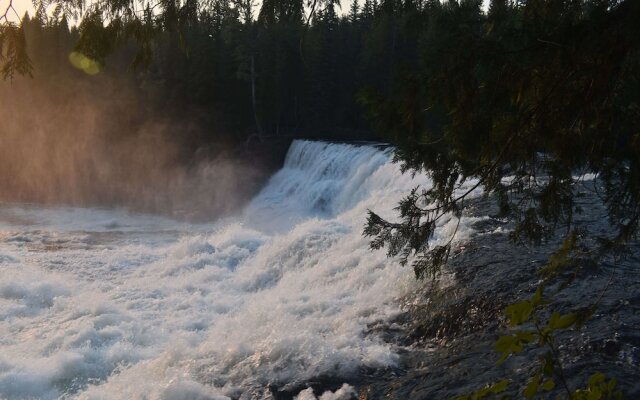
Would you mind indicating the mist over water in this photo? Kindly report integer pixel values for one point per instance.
(98, 143)
(108, 304)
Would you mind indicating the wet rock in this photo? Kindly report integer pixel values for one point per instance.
(448, 337)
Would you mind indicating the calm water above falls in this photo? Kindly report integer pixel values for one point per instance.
(104, 304)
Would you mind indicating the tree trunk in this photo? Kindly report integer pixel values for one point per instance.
(253, 96)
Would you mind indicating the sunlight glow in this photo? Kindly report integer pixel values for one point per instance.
(84, 63)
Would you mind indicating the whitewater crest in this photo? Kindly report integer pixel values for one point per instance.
(105, 304)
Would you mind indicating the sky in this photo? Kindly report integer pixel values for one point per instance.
(20, 6)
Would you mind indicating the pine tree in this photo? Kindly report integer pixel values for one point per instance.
(354, 12)
(368, 9)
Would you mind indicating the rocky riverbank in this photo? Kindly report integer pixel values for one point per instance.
(449, 333)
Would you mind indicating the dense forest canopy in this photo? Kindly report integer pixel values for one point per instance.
(267, 71)
(525, 98)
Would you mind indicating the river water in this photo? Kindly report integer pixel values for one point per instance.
(108, 304)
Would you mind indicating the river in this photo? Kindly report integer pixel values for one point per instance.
(110, 304)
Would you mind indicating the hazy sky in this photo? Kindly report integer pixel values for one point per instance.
(20, 6)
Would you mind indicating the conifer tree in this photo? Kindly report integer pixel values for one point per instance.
(354, 12)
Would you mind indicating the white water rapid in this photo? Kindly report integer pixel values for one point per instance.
(106, 304)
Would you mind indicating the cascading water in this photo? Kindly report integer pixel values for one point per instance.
(104, 304)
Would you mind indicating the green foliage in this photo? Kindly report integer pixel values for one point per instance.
(486, 391)
(13, 55)
(561, 259)
(598, 388)
(512, 344)
(535, 326)
(520, 99)
(536, 385)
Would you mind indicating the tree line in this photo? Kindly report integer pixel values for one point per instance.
(279, 70)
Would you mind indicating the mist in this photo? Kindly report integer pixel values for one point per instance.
(77, 140)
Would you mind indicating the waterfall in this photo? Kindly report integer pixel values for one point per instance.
(106, 304)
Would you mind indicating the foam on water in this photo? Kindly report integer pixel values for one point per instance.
(104, 304)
